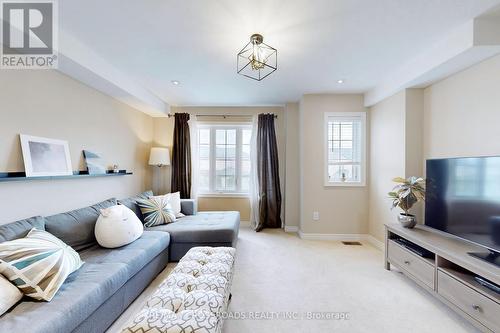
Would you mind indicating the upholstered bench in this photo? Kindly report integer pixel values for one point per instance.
(193, 297)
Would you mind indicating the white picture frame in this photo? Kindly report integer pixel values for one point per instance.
(44, 157)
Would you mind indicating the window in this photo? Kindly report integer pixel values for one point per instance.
(345, 148)
(224, 158)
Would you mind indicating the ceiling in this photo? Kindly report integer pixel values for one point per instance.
(318, 42)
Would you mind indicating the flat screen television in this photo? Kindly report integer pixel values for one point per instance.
(463, 199)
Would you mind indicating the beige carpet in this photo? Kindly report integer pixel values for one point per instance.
(278, 274)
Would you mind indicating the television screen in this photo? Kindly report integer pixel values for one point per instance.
(463, 198)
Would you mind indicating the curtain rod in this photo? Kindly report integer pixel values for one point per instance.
(220, 115)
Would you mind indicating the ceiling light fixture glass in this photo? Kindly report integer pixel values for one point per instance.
(257, 60)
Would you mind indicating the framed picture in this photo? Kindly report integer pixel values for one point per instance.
(94, 162)
(45, 157)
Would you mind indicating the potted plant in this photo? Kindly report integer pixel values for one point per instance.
(404, 195)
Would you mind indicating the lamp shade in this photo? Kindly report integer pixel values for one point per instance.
(159, 156)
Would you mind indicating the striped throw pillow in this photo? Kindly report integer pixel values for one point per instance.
(38, 264)
(156, 210)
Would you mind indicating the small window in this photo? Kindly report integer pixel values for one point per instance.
(224, 159)
(345, 148)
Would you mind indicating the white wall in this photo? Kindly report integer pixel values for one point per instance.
(396, 151)
(50, 104)
(343, 210)
(163, 137)
(462, 113)
(414, 128)
(292, 166)
(387, 158)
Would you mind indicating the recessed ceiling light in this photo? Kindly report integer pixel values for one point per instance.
(340, 81)
(175, 82)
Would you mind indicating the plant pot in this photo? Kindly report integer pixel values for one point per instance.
(407, 220)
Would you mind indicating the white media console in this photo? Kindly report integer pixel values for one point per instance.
(449, 272)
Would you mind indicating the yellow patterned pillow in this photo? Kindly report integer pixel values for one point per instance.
(38, 264)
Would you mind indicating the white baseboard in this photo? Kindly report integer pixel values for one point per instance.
(244, 223)
(291, 228)
(336, 237)
(287, 228)
(343, 237)
(375, 242)
(333, 237)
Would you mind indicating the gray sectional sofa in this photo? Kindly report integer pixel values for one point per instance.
(202, 229)
(93, 297)
(195, 229)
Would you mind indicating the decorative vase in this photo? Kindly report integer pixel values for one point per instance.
(407, 220)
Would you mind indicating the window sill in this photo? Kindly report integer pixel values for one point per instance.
(342, 184)
(223, 195)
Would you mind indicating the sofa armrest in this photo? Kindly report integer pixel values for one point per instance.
(189, 207)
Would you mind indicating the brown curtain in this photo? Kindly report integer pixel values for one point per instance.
(181, 156)
(268, 174)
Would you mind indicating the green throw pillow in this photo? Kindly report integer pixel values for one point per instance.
(156, 210)
(38, 264)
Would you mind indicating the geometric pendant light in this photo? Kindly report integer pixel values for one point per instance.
(257, 60)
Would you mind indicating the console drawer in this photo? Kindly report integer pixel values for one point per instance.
(475, 304)
(416, 266)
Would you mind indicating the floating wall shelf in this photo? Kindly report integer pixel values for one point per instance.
(21, 176)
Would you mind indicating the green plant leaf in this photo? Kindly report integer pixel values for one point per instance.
(407, 192)
(399, 180)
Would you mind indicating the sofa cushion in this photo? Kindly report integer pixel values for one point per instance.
(76, 228)
(104, 273)
(20, 229)
(205, 227)
(81, 294)
(135, 255)
(132, 203)
(189, 207)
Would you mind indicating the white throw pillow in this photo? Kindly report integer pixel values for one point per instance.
(117, 226)
(9, 295)
(174, 199)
